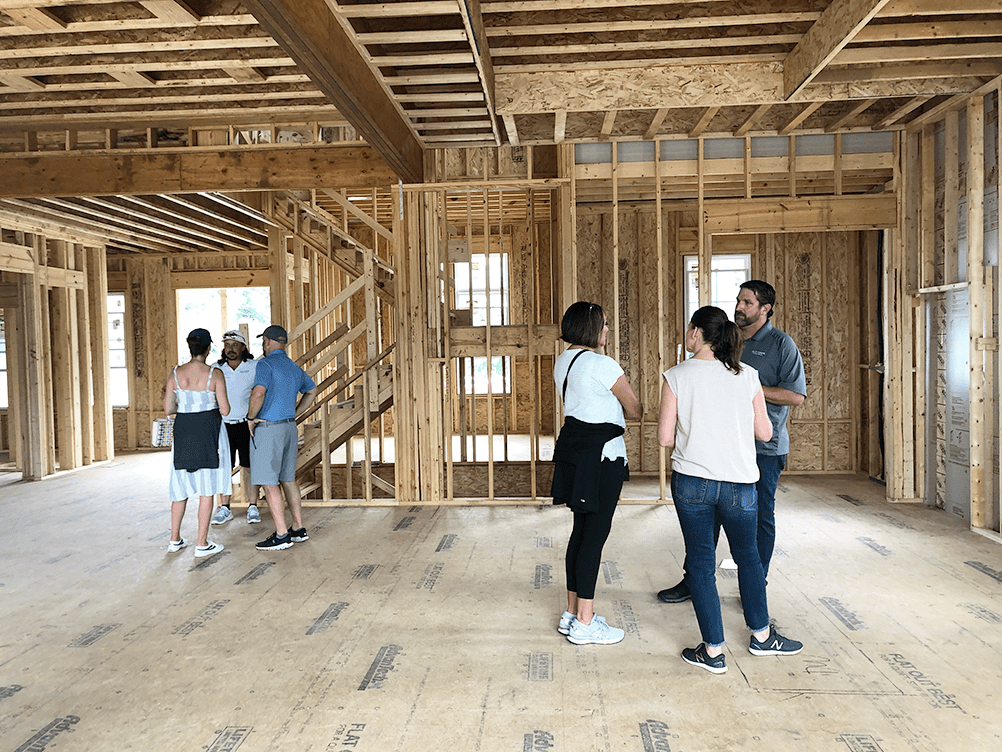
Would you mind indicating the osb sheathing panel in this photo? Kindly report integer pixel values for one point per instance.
(812, 283)
(811, 273)
(511, 479)
(637, 348)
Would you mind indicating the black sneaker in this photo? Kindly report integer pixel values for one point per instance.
(698, 657)
(678, 594)
(299, 535)
(774, 644)
(276, 542)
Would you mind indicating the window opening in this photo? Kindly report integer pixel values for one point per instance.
(482, 288)
(118, 365)
(727, 272)
(221, 310)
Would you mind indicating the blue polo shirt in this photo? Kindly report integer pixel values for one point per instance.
(284, 382)
(776, 358)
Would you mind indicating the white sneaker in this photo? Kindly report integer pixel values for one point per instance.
(208, 550)
(223, 514)
(174, 546)
(252, 514)
(566, 619)
(596, 633)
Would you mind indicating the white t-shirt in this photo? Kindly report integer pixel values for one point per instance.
(239, 383)
(715, 433)
(589, 397)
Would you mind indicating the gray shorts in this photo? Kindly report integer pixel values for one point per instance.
(273, 453)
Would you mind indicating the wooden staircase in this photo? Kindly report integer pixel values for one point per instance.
(339, 422)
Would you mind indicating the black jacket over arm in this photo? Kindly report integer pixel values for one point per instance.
(577, 460)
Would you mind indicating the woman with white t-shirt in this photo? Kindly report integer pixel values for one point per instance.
(712, 410)
(589, 462)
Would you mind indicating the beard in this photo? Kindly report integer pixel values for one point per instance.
(230, 355)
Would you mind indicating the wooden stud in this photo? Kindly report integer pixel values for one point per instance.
(976, 281)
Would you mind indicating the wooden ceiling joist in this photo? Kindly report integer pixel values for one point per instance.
(317, 42)
(418, 74)
(839, 23)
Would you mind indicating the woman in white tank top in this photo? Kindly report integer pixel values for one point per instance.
(200, 451)
(712, 410)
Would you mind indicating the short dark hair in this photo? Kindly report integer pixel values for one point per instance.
(764, 293)
(582, 324)
(721, 334)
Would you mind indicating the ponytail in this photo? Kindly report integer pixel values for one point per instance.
(721, 334)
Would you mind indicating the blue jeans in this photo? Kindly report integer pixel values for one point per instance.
(701, 505)
(769, 468)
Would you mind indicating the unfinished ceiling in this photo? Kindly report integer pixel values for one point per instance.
(412, 76)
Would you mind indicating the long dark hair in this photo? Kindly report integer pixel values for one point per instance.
(244, 356)
(721, 334)
(582, 324)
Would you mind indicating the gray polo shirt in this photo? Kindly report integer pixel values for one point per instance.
(776, 358)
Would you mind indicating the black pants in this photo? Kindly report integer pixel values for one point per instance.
(590, 532)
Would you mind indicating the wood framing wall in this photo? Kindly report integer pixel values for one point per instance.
(313, 265)
(944, 299)
(816, 276)
(868, 285)
(53, 292)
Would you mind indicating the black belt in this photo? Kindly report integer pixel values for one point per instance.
(287, 420)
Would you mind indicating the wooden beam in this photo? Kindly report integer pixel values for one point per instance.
(178, 171)
(801, 214)
(608, 123)
(752, 120)
(839, 23)
(656, 121)
(323, 49)
(913, 104)
(511, 129)
(21, 83)
(172, 11)
(559, 126)
(704, 121)
(16, 258)
(850, 115)
(134, 79)
(800, 117)
(477, 38)
(37, 19)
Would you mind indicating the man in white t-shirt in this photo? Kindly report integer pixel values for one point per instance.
(239, 368)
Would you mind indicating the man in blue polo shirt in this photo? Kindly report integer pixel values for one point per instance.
(275, 402)
(781, 371)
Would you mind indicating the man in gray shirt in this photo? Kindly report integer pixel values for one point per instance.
(781, 370)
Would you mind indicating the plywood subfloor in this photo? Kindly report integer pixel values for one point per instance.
(432, 628)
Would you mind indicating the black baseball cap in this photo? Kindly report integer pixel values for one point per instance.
(200, 336)
(276, 333)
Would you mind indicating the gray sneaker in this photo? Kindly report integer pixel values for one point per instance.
(223, 514)
(596, 633)
(252, 514)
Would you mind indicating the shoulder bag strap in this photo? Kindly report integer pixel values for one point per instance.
(563, 394)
